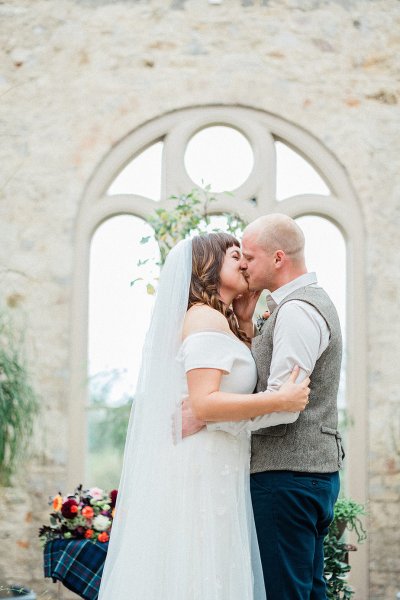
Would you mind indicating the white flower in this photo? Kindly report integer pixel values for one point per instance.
(96, 493)
(101, 523)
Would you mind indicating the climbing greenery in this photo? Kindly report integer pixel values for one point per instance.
(18, 401)
(189, 215)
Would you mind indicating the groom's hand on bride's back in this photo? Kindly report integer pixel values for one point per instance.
(190, 425)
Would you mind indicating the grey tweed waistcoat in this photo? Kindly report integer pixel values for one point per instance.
(312, 443)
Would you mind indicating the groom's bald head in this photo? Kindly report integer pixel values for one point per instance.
(273, 252)
(277, 232)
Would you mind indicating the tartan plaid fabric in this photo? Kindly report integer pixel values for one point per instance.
(78, 564)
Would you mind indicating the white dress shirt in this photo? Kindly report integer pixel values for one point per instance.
(301, 335)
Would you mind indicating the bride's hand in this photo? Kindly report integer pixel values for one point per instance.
(295, 394)
(244, 306)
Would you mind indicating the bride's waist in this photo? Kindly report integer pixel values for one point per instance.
(218, 440)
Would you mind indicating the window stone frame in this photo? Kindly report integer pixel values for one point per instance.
(341, 208)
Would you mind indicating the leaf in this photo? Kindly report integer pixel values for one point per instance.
(142, 262)
(150, 289)
(135, 280)
(145, 239)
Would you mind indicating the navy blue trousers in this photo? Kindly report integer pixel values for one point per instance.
(292, 512)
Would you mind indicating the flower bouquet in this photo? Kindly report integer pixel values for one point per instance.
(85, 514)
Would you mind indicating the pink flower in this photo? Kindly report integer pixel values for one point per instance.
(96, 493)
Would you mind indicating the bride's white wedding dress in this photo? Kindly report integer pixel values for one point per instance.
(219, 516)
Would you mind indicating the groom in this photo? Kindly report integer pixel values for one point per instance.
(295, 479)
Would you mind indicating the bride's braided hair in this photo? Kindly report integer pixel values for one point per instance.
(208, 253)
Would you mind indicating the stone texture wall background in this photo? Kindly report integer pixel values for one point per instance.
(77, 75)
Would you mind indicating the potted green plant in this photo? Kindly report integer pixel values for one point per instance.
(347, 515)
(18, 401)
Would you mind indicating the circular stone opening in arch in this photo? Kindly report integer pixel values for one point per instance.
(219, 156)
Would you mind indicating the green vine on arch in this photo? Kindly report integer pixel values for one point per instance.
(190, 214)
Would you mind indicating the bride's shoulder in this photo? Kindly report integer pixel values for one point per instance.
(201, 317)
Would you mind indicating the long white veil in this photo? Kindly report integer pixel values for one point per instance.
(147, 498)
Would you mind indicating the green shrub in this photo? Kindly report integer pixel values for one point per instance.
(18, 401)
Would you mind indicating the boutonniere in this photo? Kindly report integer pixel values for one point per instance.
(261, 320)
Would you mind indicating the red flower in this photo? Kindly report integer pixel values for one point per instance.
(103, 537)
(69, 508)
(89, 533)
(113, 497)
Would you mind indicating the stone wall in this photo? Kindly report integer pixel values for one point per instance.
(77, 75)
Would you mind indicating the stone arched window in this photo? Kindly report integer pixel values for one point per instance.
(322, 190)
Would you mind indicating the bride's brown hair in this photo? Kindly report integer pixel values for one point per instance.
(208, 253)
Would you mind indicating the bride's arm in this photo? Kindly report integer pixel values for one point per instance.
(208, 403)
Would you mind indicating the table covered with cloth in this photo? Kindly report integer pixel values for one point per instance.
(78, 564)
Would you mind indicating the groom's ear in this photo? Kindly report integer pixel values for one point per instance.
(279, 258)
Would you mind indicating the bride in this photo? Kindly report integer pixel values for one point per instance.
(183, 527)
